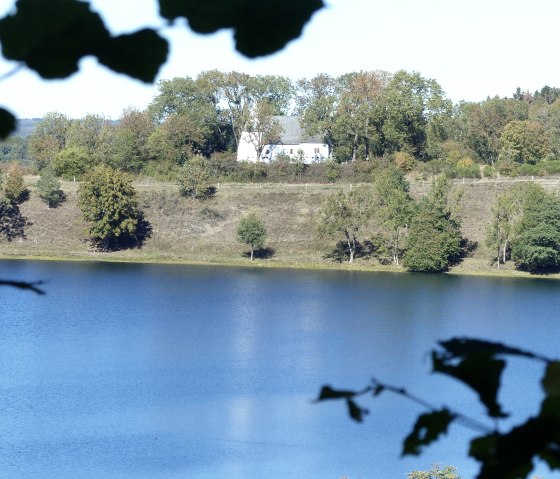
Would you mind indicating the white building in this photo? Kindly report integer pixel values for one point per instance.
(293, 143)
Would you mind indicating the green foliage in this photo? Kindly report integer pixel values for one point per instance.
(345, 215)
(393, 209)
(333, 171)
(49, 190)
(12, 223)
(48, 139)
(195, 180)
(536, 246)
(13, 186)
(71, 163)
(434, 238)
(251, 231)
(108, 202)
(479, 366)
(523, 142)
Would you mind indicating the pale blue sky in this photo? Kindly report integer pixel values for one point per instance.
(473, 49)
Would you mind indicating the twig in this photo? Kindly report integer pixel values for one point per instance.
(24, 285)
(11, 72)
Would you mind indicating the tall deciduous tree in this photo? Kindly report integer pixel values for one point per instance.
(345, 216)
(108, 203)
(131, 141)
(393, 209)
(506, 212)
(48, 138)
(523, 142)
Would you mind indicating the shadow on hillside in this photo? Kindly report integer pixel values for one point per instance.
(261, 253)
(340, 253)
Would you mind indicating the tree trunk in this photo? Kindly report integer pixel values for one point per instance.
(504, 252)
(251, 253)
(350, 249)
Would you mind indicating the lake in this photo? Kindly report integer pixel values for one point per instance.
(160, 371)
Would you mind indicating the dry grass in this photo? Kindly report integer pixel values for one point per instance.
(186, 230)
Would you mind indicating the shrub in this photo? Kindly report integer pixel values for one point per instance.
(49, 190)
(13, 186)
(403, 160)
(194, 179)
(71, 163)
(108, 202)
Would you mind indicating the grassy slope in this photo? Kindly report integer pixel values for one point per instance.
(187, 230)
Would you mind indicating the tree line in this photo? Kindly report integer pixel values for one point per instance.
(363, 116)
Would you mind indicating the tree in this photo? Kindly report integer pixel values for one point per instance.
(12, 222)
(505, 216)
(49, 190)
(346, 215)
(195, 180)
(13, 186)
(108, 202)
(131, 141)
(71, 163)
(48, 138)
(434, 237)
(251, 231)
(93, 134)
(536, 246)
(523, 142)
(393, 209)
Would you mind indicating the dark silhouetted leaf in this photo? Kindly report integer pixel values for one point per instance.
(551, 380)
(463, 347)
(328, 392)
(356, 412)
(138, 55)
(33, 286)
(51, 37)
(427, 429)
(481, 373)
(260, 27)
(7, 123)
(510, 456)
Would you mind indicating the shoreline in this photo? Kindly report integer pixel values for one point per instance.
(459, 270)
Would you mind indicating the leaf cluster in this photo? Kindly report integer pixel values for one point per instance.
(479, 365)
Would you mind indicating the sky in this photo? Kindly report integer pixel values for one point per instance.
(473, 49)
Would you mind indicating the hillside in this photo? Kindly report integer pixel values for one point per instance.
(186, 230)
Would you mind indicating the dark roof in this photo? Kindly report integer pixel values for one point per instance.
(292, 132)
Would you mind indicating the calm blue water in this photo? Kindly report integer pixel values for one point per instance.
(145, 371)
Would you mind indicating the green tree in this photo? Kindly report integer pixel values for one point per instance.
(346, 215)
(195, 180)
(410, 104)
(523, 142)
(93, 134)
(108, 202)
(49, 190)
(393, 209)
(13, 185)
(131, 141)
(71, 163)
(506, 212)
(251, 231)
(434, 237)
(536, 246)
(12, 222)
(48, 138)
